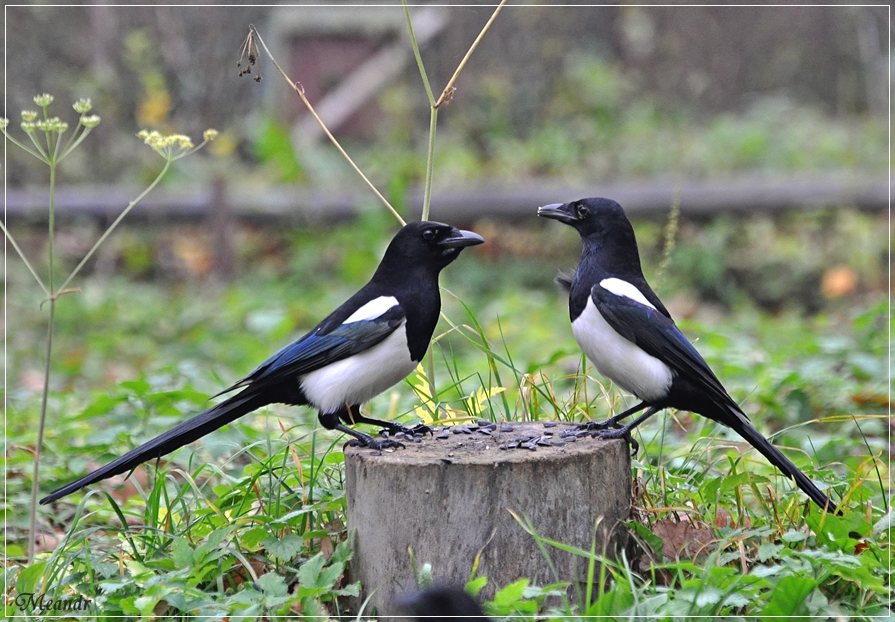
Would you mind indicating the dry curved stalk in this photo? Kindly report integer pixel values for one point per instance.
(250, 51)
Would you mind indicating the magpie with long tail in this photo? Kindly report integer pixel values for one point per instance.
(371, 342)
(628, 334)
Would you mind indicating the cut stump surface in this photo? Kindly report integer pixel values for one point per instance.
(451, 497)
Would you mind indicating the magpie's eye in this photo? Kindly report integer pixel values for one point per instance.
(583, 211)
(429, 235)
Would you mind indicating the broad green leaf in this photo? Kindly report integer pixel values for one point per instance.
(789, 597)
(273, 584)
(285, 548)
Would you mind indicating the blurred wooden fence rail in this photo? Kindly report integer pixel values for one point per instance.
(277, 205)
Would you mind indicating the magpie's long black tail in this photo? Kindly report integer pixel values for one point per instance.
(742, 426)
(175, 438)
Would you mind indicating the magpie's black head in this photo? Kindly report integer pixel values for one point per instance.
(607, 233)
(589, 216)
(428, 245)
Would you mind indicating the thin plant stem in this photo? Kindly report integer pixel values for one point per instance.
(47, 133)
(433, 124)
(71, 139)
(32, 521)
(296, 86)
(430, 163)
(430, 380)
(52, 228)
(43, 155)
(450, 85)
(23, 147)
(433, 116)
(73, 144)
(24, 259)
(112, 227)
(416, 53)
(41, 422)
(56, 150)
(445, 97)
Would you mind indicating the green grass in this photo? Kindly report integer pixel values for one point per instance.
(251, 520)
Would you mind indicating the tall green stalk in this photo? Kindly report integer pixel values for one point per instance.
(446, 96)
(52, 162)
(430, 163)
(434, 105)
(50, 151)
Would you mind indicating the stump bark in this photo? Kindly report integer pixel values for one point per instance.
(449, 498)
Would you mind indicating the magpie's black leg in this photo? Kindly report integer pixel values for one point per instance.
(330, 421)
(625, 431)
(612, 422)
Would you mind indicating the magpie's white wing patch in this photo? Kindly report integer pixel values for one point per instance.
(618, 358)
(625, 289)
(373, 309)
(360, 377)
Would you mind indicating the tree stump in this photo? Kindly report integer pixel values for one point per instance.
(449, 497)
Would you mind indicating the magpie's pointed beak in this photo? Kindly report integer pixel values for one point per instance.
(558, 211)
(461, 239)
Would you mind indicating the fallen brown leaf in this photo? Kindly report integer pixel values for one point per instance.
(683, 539)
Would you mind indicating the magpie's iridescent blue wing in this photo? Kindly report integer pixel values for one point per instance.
(657, 335)
(318, 348)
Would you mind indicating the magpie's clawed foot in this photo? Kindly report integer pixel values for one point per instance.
(376, 444)
(624, 433)
(419, 428)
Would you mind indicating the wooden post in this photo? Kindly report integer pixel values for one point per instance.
(449, 498)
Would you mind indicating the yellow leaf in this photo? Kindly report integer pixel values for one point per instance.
(475, 403)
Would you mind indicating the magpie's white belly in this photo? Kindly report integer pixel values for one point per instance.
(358, 378)
(618, 359)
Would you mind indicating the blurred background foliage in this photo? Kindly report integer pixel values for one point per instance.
(590, 93)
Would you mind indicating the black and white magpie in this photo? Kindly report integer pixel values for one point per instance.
(371, 342)
(440, 604)
(628, 334)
